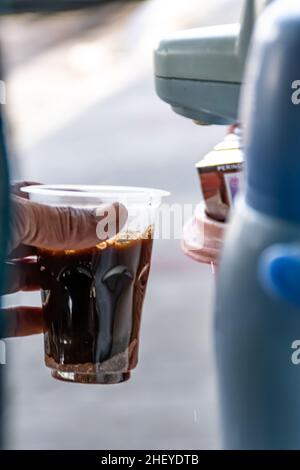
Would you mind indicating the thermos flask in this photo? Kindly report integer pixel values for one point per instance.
(257, 318)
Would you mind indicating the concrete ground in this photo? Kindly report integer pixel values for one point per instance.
(84, 110)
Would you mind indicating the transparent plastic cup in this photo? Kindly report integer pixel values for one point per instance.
(93, 298)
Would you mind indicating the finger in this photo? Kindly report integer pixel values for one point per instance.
(22, 321)
(233, 128)
(22, 251)
(62, 228)
(21, 275)
(16, 186)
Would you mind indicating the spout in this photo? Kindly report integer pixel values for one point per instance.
(279, 272)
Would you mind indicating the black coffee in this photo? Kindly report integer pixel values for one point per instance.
(92, 305)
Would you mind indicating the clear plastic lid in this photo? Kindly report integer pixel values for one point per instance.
(141, 203)
(90, 195)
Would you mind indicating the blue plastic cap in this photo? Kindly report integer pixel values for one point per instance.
(279, 272)
(271, 113)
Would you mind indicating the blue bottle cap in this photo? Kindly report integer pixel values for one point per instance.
(271, 113)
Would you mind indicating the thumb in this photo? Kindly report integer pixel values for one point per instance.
(61, 228)
(279, 272)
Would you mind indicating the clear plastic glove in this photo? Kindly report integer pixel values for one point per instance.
(57, 228)
(203, 238)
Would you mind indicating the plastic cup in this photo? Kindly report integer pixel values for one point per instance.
(93, 298)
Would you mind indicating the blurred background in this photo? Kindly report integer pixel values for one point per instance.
(82, 109)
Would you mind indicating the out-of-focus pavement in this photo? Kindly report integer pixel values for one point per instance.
(84, 110)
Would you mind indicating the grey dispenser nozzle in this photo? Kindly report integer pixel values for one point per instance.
(199, 72)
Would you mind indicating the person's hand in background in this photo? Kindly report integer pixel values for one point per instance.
(203, 238)
(203, 235)
(55, 228)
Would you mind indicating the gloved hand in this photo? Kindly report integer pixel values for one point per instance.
(57, 228)
(202, 235)
(279, 272)
(203, 238)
